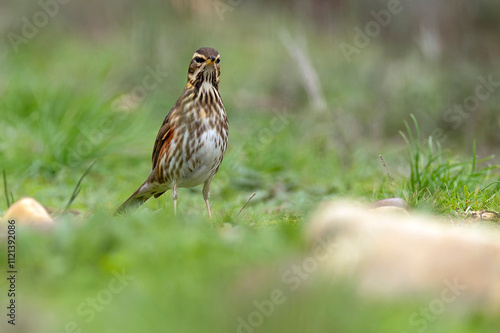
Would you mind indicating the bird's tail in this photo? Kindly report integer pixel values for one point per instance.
(135, 200)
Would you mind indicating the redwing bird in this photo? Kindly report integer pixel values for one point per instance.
(192, 140)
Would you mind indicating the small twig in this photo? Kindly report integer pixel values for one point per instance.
(5, 188)
(246, 203)
(388, 174)
(77, 189)
(310, 80)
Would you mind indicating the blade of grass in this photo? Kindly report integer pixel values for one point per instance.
(77, 189)
(417, 149)
(5, 190)
(246, 203)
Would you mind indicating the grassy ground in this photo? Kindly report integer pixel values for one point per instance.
(73, 96)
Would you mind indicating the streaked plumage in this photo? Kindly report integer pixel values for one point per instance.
(192, 140)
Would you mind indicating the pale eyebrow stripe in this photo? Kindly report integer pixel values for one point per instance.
(199, 55)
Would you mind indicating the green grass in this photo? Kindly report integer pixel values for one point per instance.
(448, 184)
(59, 116)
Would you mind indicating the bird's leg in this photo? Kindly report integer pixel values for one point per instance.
(174, 196)
(206, 195)
(208, 208)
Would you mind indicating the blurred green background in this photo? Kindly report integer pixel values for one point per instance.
(314, 92)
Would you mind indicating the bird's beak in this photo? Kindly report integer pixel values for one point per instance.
(211, 60)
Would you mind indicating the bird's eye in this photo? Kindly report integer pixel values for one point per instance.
(217, 61)
(198, 59)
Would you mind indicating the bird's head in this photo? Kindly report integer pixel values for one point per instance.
(204, 67)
